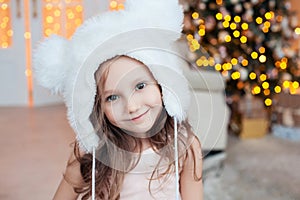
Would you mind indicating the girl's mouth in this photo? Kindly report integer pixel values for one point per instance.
(139, 116)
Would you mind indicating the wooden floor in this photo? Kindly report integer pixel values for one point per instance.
(35, 144)
(34, 147)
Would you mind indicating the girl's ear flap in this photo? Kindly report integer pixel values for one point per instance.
(49, 63)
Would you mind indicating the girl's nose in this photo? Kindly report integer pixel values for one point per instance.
(132, 104)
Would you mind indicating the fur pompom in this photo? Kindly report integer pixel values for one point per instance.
(49, 63)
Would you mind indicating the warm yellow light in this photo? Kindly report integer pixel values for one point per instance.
(235, 75)
(49, 6)
(277, 89)
(292, 90)
(28, 72)
(268, 15)
(283, 65)
(4, 6)
(263, 77)
(259, 20)
(262, 58)
(227, 18)
(256, 90)
(70, 15)
(267, 24)
(78, 22)
(243, 39)
(295, 84)
(113, 4)
(268, 102)
(244, 62)
(218, 67)
(227, 38)
(254, 55)
(49, 19)
(211, 61)
(236, 33)
(219, 16)
(262, 50)
(205, 63)
(286, 84)
(10, 33)
(245, 26)
(195, 15)
(225, 24)
(189, 37)
(234, 61)
(227, 66)
(4, 45)
(121, 6)
(265, 85)
(199, 62)
(57, 13)
(297, 30)
(79, 8)
(237, 19)
(252, 76)
(27, 35)
(233, 26)
(201, 32)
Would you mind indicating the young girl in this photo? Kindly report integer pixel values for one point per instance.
(129, 112)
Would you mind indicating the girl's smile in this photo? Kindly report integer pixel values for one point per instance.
(139, 117)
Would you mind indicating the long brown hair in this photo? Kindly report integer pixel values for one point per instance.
(109, 179)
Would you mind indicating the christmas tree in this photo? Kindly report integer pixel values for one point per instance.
(251, 42)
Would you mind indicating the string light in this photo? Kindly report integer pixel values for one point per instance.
(254, 55)
(227, 18)
(252, 76)
(219, 16)
(195, 15)
(256, 90)
(245, 26)
(236, 33)
(6, 32)
(235, 75)
(234, 61)
(243, 39)
(277, 89)
(218, 67)
(265, 85)
(237, 19)
(263, 77)
(262, 58)
(259, 20)
(245, 62)
(268, 102)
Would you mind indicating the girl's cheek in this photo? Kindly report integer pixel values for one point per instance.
(108, 111)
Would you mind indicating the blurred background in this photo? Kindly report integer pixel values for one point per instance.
(244, 58)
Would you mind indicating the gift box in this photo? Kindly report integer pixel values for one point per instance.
(255, 121)
(254, 128)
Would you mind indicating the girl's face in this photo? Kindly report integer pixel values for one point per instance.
(131, 97)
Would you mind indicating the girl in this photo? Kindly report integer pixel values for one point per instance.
(129, 113)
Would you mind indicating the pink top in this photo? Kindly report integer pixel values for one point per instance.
(136, 182)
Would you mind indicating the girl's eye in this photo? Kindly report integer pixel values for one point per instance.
(112, 98)
(140, 86)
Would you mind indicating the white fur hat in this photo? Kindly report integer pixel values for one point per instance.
(146, 30)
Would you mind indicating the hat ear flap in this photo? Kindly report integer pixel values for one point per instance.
(49, 63)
